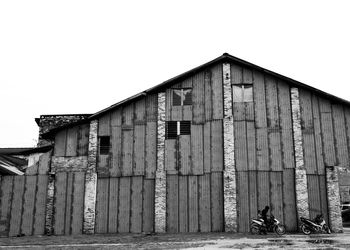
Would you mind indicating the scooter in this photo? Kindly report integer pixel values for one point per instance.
(317, 225)
(258, 226)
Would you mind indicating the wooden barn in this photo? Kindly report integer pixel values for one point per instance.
(201, 152)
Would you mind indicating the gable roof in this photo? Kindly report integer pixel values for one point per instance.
(221, 59)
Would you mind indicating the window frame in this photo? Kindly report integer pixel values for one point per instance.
(182, 96)
(103, 149)
(243, 95)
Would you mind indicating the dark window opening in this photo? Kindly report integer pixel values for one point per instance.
(182, 97)
(104, 145)
(175, 128)
(242, 93)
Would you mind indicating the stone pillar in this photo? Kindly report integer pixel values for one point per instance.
(160, 186)
(91, 181)
(49, 204)
(230, 199)
(333, 196)
(302, 198)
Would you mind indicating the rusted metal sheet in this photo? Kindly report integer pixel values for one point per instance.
(102, 205)
(243, 201)
(204, 203)
(40, 205)
(136, 204)
(184, 158)
(197, 149)
(198, 97)
(151, 152)
(60, 143)
(341, 146)
(172, 206)
(17, 205)
(217, 202)
(28, 205)
(77, 204)
(318, 135)
(124, 205)
(241, 154)
(193, 206)
(148, 206)
(183, 203)
(72, 141)
(217, 92)
(139, 150)
(276, 194)
(289, 209)
(6, 186)
(217, 154)
(60, 203)
(113, 205)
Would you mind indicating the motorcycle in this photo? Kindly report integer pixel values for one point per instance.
(258, 226)
(317, 225)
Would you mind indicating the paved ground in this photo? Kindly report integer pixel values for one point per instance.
(181, 241)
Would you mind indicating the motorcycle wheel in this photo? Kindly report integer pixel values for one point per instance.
(326, 229)
(254, 229)
(280, 229)
(305, 229)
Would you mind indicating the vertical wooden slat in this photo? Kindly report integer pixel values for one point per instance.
(197, 149)
(78, 203)
(184, 156)
(327, 132)
(307, 131)
(208, 96)
(259, 99)
(276, 194)
(113, 205)
(217, 154)
(28, 205)
(171, 151)
(83, 140)
(193, 204)
(151, 107)
(17, 205)
(340, 136)
(72, 141)
(289, 204)
(124, 205)
(60, 203)
(253, 194)
(217, 202)
(198, 99)
(323, 195)
(217, 91)
(247, 75)
(127, 152)
(314, 195)
(207, 147)
(60, 143)
(116, 142)
(183, 203)
(139, 150)
(148, 206)
(151, 153)
(204, 203)
(271, 102)
(104, 125)
(102, 205)
(6, 186)
(251, 137)
(128, 114)
(263, 189)
(69, 194)
(40, 205)
(241, 146)
(140, 110)
(318, 135)
(236, 74)
(243, 201)
(136, 204)
(172, 203)
(286, 125)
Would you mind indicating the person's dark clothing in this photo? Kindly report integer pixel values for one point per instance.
(264, 214)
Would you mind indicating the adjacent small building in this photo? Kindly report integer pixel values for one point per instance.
(201, 152)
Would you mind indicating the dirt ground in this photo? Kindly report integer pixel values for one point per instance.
(181, 241)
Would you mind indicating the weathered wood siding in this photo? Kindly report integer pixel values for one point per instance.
(72, 141)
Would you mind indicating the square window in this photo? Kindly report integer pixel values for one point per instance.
(104, 145)
(242, 93)
(175, 128)
(182, 97)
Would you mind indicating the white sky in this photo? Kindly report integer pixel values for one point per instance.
(66, 57)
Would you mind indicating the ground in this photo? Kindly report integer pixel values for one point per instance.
(181, 241)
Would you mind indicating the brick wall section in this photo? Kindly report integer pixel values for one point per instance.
(302, 198)
(334, 200)
(230, 199)
(48, 122)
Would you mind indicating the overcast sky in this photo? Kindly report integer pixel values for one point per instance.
(66, 57)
